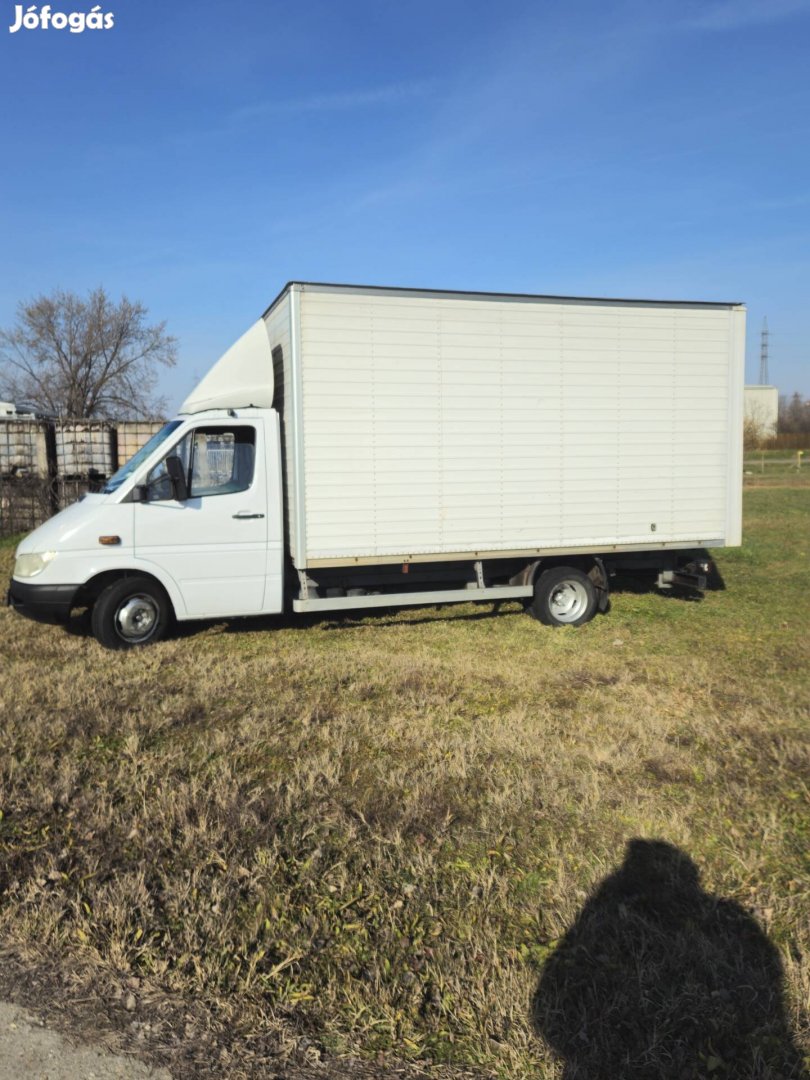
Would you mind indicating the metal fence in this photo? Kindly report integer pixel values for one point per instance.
(27, 501)
(47, 465)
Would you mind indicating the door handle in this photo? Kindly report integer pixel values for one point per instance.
(244, 515)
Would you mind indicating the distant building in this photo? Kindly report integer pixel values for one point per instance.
(762, 408)
(9, 411)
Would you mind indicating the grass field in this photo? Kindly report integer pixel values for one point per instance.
(403, 837)
(776, 468)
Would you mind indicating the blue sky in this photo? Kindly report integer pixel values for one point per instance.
(198, 155)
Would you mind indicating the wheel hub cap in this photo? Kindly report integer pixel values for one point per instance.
(568, 601)
(136, 618)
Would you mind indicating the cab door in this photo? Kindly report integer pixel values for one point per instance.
(214, 544)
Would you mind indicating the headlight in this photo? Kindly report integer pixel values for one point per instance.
(31, 565)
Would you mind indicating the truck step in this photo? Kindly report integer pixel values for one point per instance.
(416, 599)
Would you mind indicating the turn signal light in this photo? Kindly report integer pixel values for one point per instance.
(109, 541)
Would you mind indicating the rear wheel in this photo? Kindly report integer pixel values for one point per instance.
(131, 612)
(563, 596)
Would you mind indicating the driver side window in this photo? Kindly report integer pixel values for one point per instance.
(216, 461)
(222, 460)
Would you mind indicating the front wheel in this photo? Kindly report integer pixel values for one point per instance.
(131, 612)
(563, 596)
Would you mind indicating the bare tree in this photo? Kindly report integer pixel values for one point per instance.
(753, 433)
(794, 415)
(69, 356)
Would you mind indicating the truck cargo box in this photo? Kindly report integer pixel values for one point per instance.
(420, 425)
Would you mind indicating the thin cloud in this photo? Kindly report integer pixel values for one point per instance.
(731, 14)
(478, 106)
(391, 95)
(340, 100)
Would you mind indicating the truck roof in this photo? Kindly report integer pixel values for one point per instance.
(409, 290)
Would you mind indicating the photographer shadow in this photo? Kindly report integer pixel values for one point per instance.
(660, 980)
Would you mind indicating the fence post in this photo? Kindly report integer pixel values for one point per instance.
(50, 456)
(116, 464)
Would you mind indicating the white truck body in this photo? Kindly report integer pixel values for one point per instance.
(398, 427)
(423, 424)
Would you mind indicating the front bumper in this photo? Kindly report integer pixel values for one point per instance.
(43, 603)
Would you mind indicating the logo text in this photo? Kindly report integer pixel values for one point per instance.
(45, 18)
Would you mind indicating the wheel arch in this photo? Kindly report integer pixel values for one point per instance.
(95, 586)
(592, 565)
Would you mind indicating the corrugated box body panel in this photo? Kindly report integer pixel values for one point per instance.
(278, 323)
(437, 424)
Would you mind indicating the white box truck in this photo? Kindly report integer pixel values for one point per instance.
(369, 447)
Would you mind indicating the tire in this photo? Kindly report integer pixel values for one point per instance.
(131, 612)
(563, 596)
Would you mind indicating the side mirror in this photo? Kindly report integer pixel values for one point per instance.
(177, 475)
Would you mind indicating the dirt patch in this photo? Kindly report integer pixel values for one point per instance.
(29, 1049)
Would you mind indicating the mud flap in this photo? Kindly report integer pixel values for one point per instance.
(599, 577)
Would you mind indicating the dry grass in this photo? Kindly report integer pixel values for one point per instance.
(277, 842)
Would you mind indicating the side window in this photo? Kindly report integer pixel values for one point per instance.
(222, 460)
(217, 461)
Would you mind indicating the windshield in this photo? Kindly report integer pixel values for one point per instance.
(123, 474)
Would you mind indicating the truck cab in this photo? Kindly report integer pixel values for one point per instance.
(191, 527)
